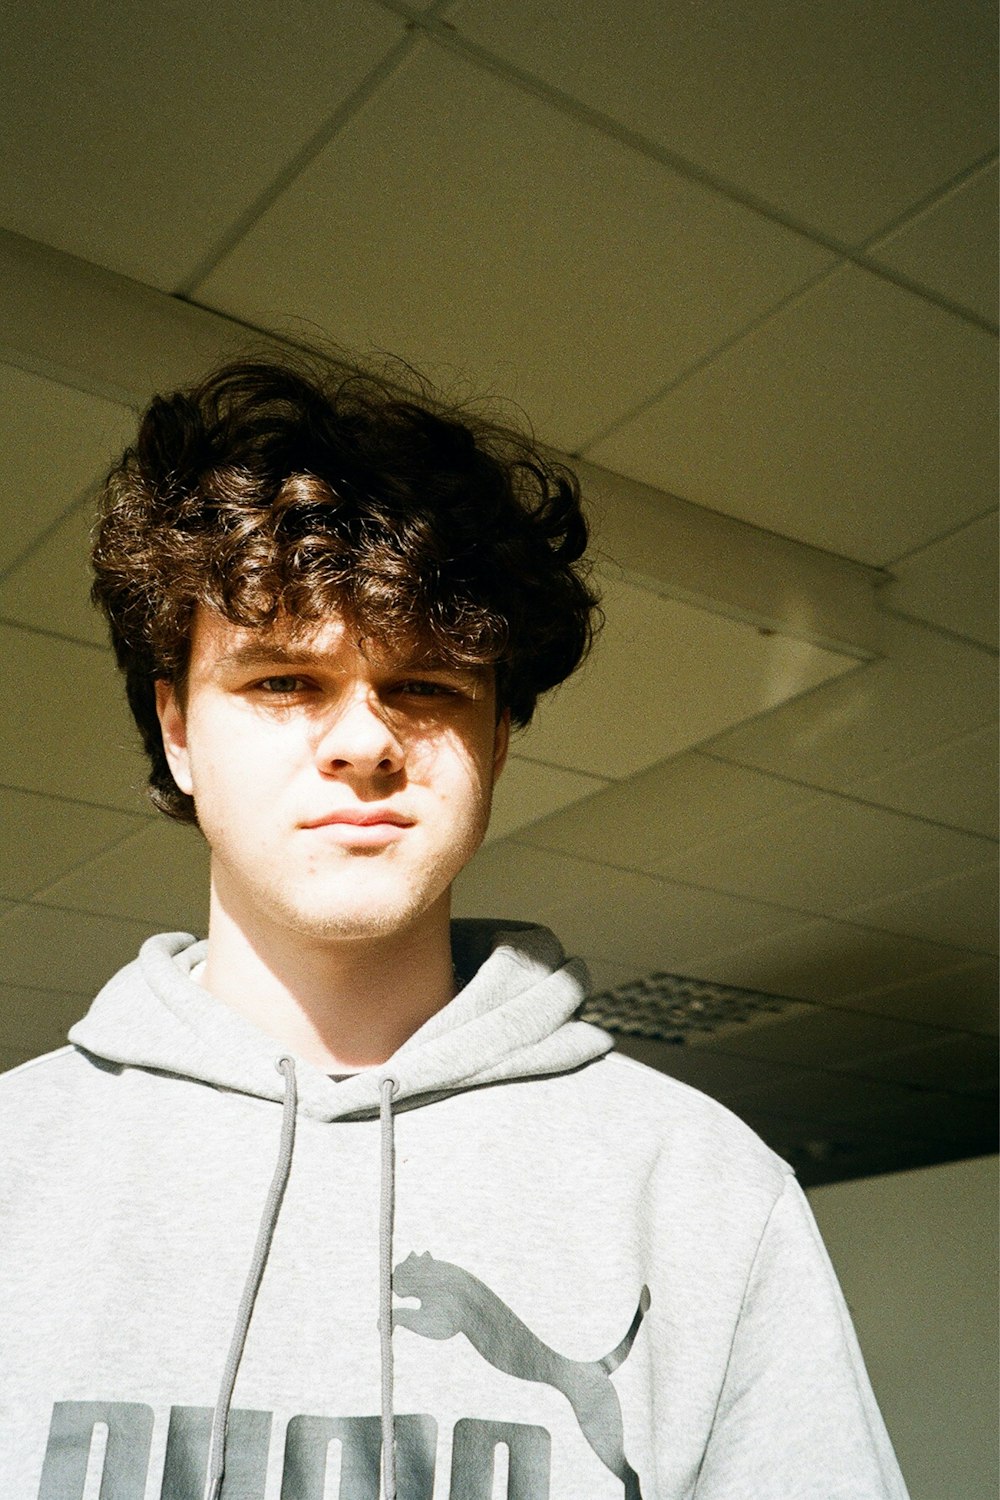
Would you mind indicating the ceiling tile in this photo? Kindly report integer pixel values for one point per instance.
(46, 836)
(926, 691)
(608, 915)
(953, 582)
(136, 146)
(35, 1021)
(645, 822)
(528, 791)
(663, 676)
(834, 1103)
(823, 1039)
(961, 909)
(957, 1064)
(859, 418)
(159, 875)
(830, 856)
(721, 1075)
(606, 974)
(956, 784)
(825, 960)
(475, 230)
(72, 736)
(50, 589)
(951, 246)
(963, 998)
(45, 948)
(802, 104)
(55, 441)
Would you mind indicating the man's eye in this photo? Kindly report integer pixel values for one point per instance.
(280, 685)
(421, 688)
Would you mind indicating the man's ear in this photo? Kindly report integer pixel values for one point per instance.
(173, 728)
(501, 744)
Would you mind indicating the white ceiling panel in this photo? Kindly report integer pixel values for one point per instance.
(961, 909)
(606, 914)
(528, 791)
(859, 418)
(808, 860)
(664, 676)
(951, 246)
(44, 837)
(43, 948)
(55, 442)
(963, 997)
(37, 1020)
(960, 1064)
(823, 1039)
(956, 784)
(136, 140)
(925, 692)
(953, 582)
(801, 104)
(476, 231)
(50, 588)
(646, 821)
(824, 960)
(159, 876)
(73, 735)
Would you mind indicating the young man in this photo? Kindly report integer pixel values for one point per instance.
(344, 1195)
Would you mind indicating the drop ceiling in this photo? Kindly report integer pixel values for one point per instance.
(738, 263)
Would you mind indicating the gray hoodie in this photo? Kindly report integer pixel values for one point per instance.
(601, 1283)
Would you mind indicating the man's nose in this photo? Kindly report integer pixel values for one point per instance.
(358, 735)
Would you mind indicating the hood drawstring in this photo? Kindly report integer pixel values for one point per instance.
(388, 1086)
(268, 1220)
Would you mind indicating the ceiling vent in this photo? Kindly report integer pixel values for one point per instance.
(675, 1008)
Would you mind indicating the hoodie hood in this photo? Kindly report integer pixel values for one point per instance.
(511, 1020)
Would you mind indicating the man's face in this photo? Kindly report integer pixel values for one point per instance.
(340, 792)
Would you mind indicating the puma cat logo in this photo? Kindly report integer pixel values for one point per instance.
(453, 1301)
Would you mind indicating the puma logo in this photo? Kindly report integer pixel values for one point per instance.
(453, 1301)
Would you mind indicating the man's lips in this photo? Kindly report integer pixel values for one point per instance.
(361, 817)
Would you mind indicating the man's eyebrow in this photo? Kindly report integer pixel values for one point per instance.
(265, 653)
(261, 653)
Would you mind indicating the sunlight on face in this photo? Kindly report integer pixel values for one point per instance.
(340, 792)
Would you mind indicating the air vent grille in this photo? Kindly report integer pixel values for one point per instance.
(675, 1008)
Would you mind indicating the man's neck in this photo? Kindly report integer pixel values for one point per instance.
(340, 1005)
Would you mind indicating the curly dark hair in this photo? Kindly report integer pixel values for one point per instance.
(302, 487)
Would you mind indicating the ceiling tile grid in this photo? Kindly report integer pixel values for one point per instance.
(809, 861)
(584, 279)
(962, 997)
(830, 960)
(858, 418)
(959, 909)
(55, 442)
(925, 690)
(46, 837)
(50, 949)
(37, 1020)
(951, 246)
(800, 105)
(954, 784)
(49, 588)
(120, 138)
(952, 582)
(611, 915)
(78, 740)
(159, 875)
(711, 671)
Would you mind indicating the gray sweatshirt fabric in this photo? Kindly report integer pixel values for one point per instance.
(603, 1284)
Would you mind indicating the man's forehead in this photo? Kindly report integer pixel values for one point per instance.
(287, 639)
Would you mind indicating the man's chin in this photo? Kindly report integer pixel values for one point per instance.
(369, 922)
